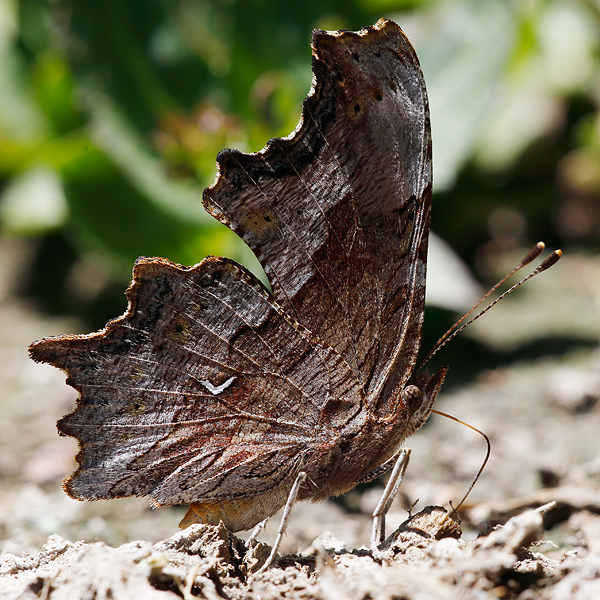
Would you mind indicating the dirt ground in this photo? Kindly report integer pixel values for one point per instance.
(542, 416)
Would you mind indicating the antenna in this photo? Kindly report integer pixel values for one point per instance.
(549, 261)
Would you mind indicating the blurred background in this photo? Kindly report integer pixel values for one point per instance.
(112, 113)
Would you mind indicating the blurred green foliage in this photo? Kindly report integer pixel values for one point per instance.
(112, 113)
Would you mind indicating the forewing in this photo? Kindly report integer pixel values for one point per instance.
(338, 213)
(201, 390)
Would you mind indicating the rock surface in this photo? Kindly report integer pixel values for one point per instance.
(424, 559)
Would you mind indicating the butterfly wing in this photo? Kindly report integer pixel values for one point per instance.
(201, 391)
(209, 389)
(338, 212)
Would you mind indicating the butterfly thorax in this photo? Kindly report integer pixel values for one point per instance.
(337, 464)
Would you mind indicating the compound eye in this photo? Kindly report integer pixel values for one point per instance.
(412, 398)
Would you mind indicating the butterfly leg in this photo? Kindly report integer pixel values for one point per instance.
(389, 493)
(256, 531)
(287, 511)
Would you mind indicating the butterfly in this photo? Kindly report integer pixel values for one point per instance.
(215, 391)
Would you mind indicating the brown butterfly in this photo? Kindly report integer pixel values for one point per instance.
(213, 390)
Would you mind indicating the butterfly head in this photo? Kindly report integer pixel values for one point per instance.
(418, 397)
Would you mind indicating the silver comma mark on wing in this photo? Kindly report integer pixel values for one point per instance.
(216, 389)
